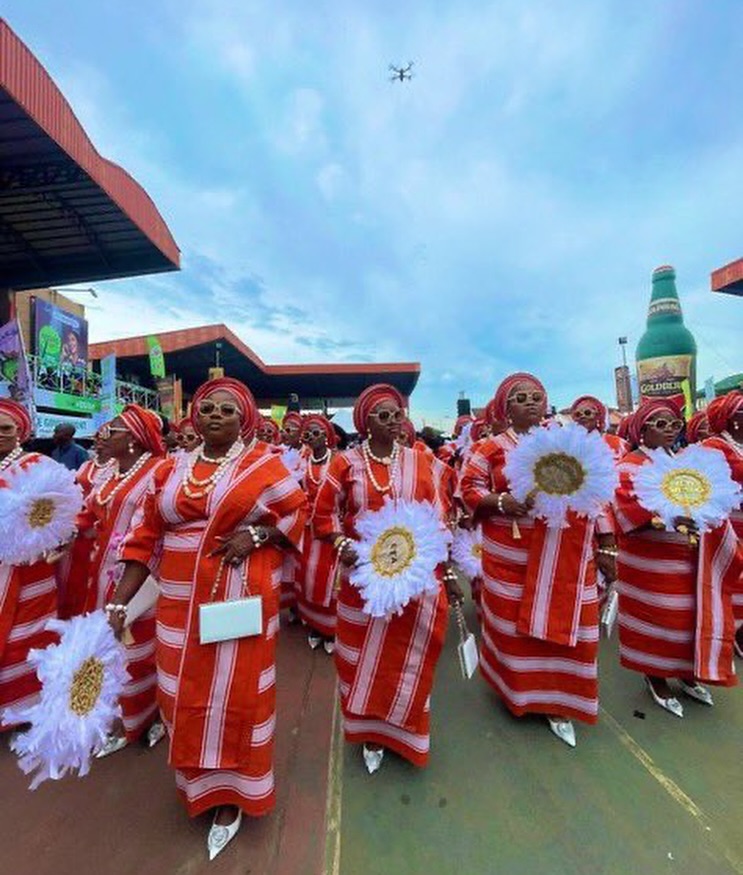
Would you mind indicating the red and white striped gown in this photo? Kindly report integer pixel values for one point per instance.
(733, 452)
(385, 666)
(28, 600)
(73, 570)
(539, 601)
(218, 700)
(111, 509)
(317, 602)
(675, 611)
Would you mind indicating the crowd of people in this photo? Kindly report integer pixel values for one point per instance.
(245, 511)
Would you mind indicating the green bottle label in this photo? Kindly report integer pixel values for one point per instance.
(663, 306)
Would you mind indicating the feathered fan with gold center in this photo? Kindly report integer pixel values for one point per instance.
(694, 483)
(400, 547)
(81, 678)
(38, 511)
(466, 551)
(563, 468)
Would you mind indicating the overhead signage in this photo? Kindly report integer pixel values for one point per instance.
(60, 337)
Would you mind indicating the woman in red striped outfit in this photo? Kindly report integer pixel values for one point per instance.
(214, 527)
(317, 602)
(385, 665)
(28, 593)
(133, 442)
(539, 599)
(675, 611)
(725, 420)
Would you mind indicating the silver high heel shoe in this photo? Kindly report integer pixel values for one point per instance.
(112, 744)
(671, 704)
(698, 692)
(373, 759)
(564, 730)
(220, 836)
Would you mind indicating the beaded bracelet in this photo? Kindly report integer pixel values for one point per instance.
(501, 496)
(259, 536)
(606, 551)
(119, 610)
(340, 544)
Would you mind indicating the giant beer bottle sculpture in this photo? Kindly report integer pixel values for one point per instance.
(667, 352)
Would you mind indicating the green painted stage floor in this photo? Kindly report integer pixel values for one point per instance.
(658, 795)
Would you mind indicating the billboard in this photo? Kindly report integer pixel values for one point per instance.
(15, 378)
(60, 338)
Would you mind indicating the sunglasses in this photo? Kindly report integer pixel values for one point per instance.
(663, 424)
(523, 397)
(587, 413)
(105, 432)
(313, 433)
(225, 408)
(389, 416)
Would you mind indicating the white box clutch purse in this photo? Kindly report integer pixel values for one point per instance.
(469, 657)
(225, 621)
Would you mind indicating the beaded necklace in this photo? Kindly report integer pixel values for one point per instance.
(323, 465)
(222, 464)
(389, 461)
(12, 456)
(122, 478)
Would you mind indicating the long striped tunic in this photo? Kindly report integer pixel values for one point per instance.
(675, 611)
(28, 600)
(539, 601)
(111, 507)
(385, 666)
(218, 700)
(733, 452)
(317, 602)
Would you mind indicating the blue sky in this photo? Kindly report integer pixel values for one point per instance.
(504, 210)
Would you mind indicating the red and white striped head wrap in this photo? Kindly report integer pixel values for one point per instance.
(146, 428)
(317, 420)
(624, 427)
(184, 423)
(694, 424)
(267, 423)
(723, 409)
(371, 398)
(243, 397)
(476, 431)
(503, 393)
(602, 414)
(20, 416)
(408, 429)
(293, 418)
(462, 421)
(648, 410)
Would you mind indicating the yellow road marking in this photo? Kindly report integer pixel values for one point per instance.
(672, 788)
(335, 794)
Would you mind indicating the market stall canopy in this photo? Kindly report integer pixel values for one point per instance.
(66, 214)
(729, 278)
(190, 353)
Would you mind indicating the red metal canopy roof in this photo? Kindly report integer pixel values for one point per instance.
(66, 214)
(729, 278)
(191, 352)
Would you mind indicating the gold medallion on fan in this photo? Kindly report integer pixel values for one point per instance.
(393, 552)
(558, 474)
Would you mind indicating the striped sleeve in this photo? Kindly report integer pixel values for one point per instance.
(286, 502)
(143, 543)
(628, 511)
(476, 482)
(331, 499)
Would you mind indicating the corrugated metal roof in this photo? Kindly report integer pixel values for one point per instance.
(190, 353)
(66, 213)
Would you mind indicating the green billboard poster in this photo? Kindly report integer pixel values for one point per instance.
(157, 359)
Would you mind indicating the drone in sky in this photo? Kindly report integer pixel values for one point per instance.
(400, 74)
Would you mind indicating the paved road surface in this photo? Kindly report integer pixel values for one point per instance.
(644, 796)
